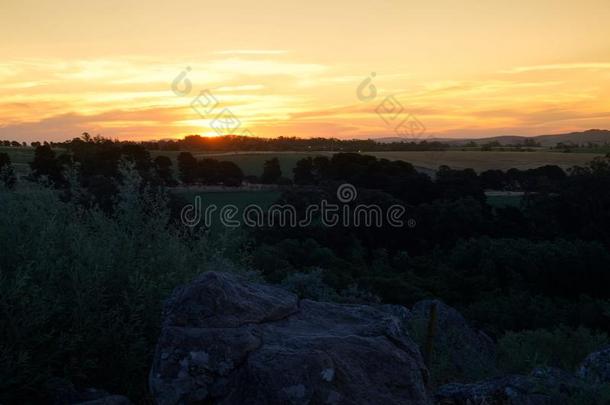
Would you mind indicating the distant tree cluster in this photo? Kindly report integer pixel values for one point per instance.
(208, 171)
(97, 164)
(569, 146)
(12, 144)
(543, 178)
(249, 143)
(524, 145)
(402, 180)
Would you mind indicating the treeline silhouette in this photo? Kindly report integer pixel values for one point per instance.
(232, 143)
(12, 144)
(99, 163)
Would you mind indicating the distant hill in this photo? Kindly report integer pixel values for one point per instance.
(591, 135)
(598, 136)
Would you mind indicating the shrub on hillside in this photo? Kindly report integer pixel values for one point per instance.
(81, 291)
(520, 352)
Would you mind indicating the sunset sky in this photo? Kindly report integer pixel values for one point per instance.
(467, 68)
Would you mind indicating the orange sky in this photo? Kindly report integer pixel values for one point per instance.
(467, 68)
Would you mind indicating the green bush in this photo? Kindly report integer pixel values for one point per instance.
(520, 352)
(446, 364)
(81, 291)
(591, 395)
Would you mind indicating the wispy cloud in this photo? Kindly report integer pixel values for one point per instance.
(131, 98)
(558, 66)
(252, 52)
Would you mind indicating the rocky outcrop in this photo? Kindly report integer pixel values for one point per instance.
(596, 367)
(544, 386)
(228, 341)
(64, 392)
(466, 353)
(108, 400)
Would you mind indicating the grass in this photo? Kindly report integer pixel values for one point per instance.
(599, 149)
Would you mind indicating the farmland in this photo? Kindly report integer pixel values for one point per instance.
(252, 163)
(427, 161)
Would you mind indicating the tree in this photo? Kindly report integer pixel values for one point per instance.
(46, 164)
(271, 171)
(321, 165)
(208, 171)
(230, 174)
(4, 159)
(493, 179)
(7, 173)
(163, 168)
(303, 172)
(138, 155)
(455, 184)
(187, 167)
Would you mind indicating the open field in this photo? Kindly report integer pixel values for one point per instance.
(599, 149)
(252, 162)
(427, 161)
(481, 161)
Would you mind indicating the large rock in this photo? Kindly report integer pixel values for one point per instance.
(108, 400)
(544, 386)
(596, 367)
(464, 353)
(228, 341)
(64, 392)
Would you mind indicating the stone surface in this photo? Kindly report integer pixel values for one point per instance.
(595, 367)
(544, 386)
(469, 355)
(228, 341)
(65, 393)
(108, 400)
